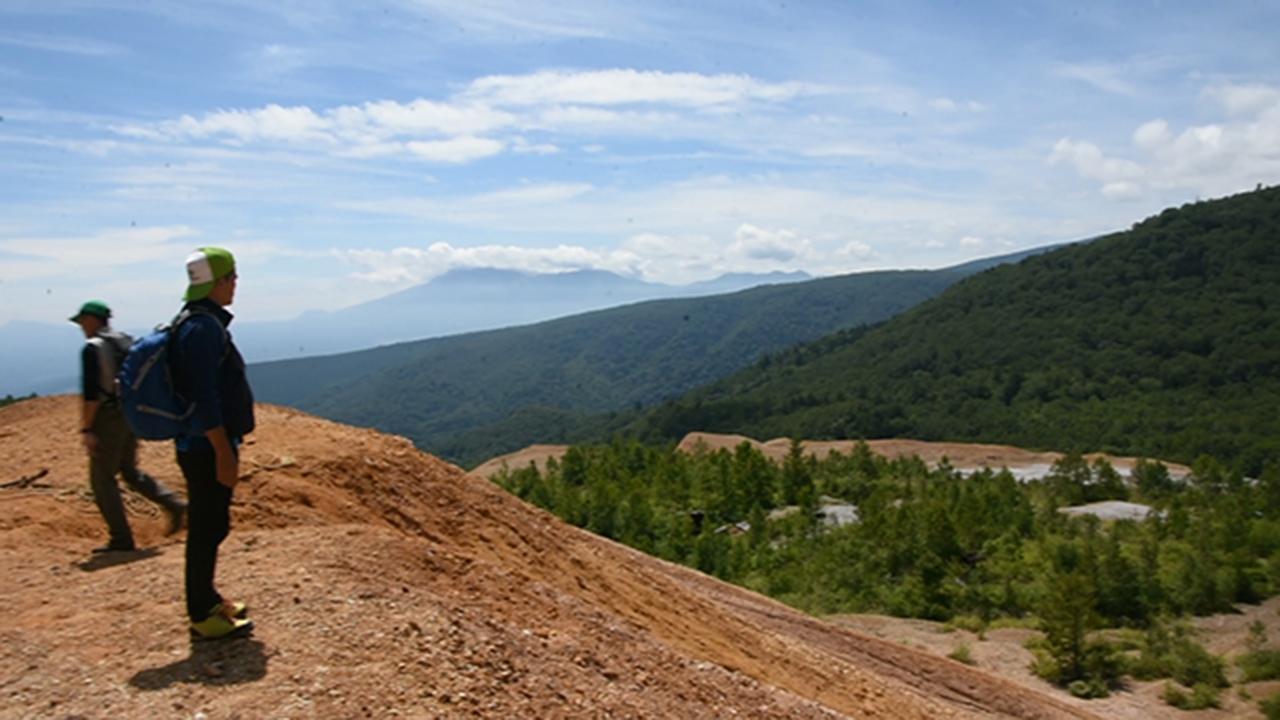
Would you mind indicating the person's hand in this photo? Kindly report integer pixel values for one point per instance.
(90, 441)
(228, 465)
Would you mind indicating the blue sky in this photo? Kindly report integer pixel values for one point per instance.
(343, 153)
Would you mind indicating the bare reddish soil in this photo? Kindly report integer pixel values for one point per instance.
(387, 583)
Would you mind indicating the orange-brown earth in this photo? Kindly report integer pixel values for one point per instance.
(388, 583)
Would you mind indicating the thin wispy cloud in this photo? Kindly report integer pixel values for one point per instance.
(63, 44)
(628, 86)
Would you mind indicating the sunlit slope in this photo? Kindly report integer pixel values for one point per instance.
(386, 581)
(1162, 341)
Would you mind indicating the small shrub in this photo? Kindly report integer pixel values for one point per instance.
(1088, 689)
(1125, 639)
(1024, 623)
(1100, 668)
(1271, 707)
(1171, 652)
(1260, 665)
(962, 654)
(972, 623)
(1202, 696)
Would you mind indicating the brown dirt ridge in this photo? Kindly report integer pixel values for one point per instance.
(388, 583)
(961, 456)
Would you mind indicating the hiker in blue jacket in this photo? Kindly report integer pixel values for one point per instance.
(110, 444)
(209, 371)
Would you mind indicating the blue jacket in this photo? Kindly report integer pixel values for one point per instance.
(209, 371)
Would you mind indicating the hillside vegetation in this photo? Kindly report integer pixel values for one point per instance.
(928, 543)
(469, 397)
(1161, 341)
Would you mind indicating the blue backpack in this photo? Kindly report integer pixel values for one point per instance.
(152, 404)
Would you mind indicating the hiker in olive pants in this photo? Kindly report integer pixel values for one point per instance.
(111, 445)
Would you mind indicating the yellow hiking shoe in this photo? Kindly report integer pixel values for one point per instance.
(218, 626)
(234, 610)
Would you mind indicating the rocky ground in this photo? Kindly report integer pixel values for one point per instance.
(387, 583)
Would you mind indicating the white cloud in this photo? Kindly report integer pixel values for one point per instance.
(1211, 159)
(69, 255)
(656, 257)
(490, 116)
(949, 105)
(455, 150)
(409, 265)
(1122, 190)
(386, 118)
(273, 122)
(970, 242)
(780, 247)
(521, 146)
(627, 86)
(854, 252)
(1106, 77)
(580, 119)
(1152, 135)
(1244, 99)
(1089, 161)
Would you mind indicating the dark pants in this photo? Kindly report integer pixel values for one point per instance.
(117, 452)
(208, 522)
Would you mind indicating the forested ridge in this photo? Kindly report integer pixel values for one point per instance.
(470, 397)
(1160, 341)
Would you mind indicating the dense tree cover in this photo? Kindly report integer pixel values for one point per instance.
(931, 543)
(469, 397)
(1161, 341)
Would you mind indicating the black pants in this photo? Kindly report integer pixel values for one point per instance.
(208, 522)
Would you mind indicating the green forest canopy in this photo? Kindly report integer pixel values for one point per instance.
(931, 543)
(1161, 341)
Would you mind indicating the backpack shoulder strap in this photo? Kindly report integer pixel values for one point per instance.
(109, 356)
(186, 314)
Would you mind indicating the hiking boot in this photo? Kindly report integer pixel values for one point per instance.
(113, 546)
(177, 518)
(218, 626)
(234, 610)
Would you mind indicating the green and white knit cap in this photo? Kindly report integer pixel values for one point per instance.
(204, 267)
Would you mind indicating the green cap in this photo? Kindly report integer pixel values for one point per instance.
(97, 308)
(204, 267)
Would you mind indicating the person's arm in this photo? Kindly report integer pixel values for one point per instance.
(91, 396)
(202, 349)
(225, 458)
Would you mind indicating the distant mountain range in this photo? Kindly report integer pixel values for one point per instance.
(1161, 341)
(41, 357)
(466, 301)
(471, 396)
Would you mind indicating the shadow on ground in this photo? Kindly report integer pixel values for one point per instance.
(112, 559)
(214, 662)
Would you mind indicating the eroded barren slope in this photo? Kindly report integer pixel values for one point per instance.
(386, 582)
